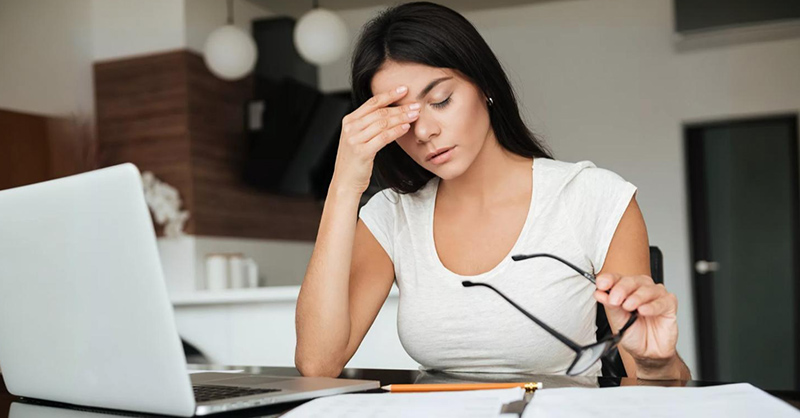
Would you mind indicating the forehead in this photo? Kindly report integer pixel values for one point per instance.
(415, 76)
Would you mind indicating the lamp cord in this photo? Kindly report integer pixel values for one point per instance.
(230, 12)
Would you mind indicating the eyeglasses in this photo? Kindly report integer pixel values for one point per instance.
(585, 355)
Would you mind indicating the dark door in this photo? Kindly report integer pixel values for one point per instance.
(743, 181)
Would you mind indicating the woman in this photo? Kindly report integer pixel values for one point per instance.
(469, 187)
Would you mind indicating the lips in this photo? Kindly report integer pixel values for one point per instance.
(437, 152)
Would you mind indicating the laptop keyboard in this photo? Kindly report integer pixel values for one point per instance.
(204, 393)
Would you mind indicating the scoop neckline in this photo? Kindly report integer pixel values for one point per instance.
(434, 254)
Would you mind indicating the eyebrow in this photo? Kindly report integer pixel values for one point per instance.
(430, 87)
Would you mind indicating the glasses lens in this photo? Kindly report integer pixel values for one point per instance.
(587, 357)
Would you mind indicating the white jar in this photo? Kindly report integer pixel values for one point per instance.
(217, 272)
(236, 271)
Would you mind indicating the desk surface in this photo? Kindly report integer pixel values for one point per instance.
(387, 377)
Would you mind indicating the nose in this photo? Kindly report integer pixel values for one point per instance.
(426, 128)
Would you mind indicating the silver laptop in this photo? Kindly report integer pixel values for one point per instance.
(84, 314)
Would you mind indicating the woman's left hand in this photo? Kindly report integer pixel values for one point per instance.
(653, 337)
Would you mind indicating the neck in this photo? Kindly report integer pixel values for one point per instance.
(495, 175)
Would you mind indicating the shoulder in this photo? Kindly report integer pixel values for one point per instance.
(388, 213)
(389, 203)
(566, 172)
(389, 198)
(592, 201)
(562, 177)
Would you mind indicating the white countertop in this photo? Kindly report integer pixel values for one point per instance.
(238, 296)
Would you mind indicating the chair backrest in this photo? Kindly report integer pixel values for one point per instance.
(612, 365)
(656, 265)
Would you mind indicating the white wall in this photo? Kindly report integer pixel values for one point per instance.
(601, 80)
(48, 46)
(203, 16)
(124, 28)
(336, 75)
(46, 50)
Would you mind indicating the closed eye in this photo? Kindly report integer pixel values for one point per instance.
(442, 104)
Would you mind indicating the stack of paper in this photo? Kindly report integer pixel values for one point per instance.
(737, 400)
(467, 404)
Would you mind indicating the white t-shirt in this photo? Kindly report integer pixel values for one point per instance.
(574, 212)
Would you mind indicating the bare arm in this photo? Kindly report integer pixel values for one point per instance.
(628, 262)
(349, 274)
(339, 300)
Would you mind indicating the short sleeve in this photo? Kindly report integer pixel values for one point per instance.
(379, 215)
(595, 200)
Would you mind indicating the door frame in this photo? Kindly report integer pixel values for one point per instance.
(703, 287)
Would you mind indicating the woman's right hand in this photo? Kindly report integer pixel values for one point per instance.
(366, 131)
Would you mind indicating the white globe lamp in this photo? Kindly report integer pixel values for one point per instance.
(230, 53)
(321, 36)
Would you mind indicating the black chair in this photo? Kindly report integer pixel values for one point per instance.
(612, 365)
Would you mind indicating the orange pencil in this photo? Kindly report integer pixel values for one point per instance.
(450, 387)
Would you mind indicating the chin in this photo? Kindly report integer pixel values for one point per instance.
(447, 171)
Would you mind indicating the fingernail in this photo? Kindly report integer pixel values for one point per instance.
(406, 126)
(412, 115)
(614, 300)
(402, 89)
(413, 106)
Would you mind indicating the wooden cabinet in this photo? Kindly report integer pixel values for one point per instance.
(168, 114)
(24, 149)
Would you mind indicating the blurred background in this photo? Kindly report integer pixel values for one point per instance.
(234, 108)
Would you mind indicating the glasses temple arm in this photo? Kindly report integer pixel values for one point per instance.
(587, 275)
(569, 343)
(631, 320)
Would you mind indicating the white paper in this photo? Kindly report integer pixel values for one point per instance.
(736, 400)
(464, 404)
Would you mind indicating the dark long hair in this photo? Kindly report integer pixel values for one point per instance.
(436, 36)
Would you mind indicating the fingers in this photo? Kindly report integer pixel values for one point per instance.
(357, 148)
(666, 304)
(632, 293)
(375, 102)
(376, 125)
(406, 113)
(624, 287)
(384, 124)
(384, 138)
(606, 281)
(601, 297)
(642, 295)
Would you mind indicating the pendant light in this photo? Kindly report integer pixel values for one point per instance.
(321, 36)
(229, 52)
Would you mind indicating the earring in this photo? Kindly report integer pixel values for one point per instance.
(490, 101)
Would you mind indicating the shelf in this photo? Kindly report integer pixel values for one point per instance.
(244, 296)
